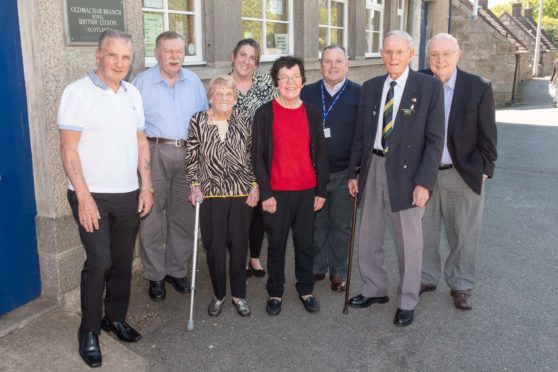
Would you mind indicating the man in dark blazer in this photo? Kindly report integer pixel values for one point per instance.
(398, 145)
(467, 161)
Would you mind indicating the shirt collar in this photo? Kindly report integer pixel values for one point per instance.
(451, 81)
(101, 84)
(158, 77)
(401, 80)
(333, 90)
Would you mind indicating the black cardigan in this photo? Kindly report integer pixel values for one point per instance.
(262, 149)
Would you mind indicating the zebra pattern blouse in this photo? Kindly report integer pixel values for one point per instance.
(261, 91)
(222, 168)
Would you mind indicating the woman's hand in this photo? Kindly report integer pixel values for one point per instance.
(196, 192)
(318, 203)
(269, 205)
(253, 196)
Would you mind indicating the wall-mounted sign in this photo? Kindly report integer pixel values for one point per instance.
(87, 19)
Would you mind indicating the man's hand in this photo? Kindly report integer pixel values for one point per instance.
(353, 187)
(420, 196)
(318, 203)
(196, 191)
(88, 213)
(484, 177)
(269, 205)
(145, 202)
(253, 196)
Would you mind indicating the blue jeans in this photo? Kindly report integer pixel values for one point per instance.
(332, 228)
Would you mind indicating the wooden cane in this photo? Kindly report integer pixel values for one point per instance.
(351, 244)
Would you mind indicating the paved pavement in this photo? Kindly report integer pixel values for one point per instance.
(512, 327)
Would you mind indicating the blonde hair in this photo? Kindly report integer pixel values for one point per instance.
(225, 81)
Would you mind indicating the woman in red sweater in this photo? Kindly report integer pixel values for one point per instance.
(291, 166)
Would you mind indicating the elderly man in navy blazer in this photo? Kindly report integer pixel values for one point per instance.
(398, 145)
(467, 161)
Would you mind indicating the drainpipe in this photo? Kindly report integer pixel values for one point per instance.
(475, 9)
(511, 101)
(449, 18)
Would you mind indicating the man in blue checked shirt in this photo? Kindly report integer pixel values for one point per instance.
(171, 95)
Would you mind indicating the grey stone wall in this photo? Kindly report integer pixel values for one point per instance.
(485, 52)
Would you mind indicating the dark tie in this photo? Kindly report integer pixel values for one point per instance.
(387, 128)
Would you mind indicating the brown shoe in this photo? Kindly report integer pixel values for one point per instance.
(426, 288)
(462, 299)
(338, 284)
(318, 277)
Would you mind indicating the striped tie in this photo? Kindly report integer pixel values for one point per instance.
(388, 117)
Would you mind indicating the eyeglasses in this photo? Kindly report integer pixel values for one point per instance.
(443, 56)
(285, 79)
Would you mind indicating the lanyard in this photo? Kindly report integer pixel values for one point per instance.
(326, 113)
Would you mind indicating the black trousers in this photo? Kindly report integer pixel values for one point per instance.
(225, 223)
(109, 252)
(256, 232)
(295, 210)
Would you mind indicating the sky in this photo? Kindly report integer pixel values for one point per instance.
(491, 3)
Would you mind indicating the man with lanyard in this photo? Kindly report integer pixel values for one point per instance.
(338, 99)
(171, 95)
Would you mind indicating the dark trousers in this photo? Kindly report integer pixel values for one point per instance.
(224, 224)
(295, 210)
(256, 232)
(109, 252)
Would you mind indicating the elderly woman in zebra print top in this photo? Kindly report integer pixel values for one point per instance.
(218, 163)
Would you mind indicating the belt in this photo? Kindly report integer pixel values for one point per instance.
(445, 167)
(378, 152)
(164, 141)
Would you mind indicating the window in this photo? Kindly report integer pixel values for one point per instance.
(374, 27)
(333, 21)
(400, 13)
(269, 22)
(182, 16)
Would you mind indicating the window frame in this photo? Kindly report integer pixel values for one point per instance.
(265, 57)
(329, 27)
(400, 12)
(196, 59)
(372, 6)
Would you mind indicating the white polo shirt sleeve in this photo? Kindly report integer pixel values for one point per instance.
(70, 112)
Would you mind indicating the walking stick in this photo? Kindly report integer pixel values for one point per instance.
(194, 259)
(351, 243)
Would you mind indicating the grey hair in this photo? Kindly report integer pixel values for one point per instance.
(335, 46)
(443, 35)
(225, 81)
(113, 34)
(402, 34)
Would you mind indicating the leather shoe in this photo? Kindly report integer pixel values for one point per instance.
(462, 299)
(89, 348)
(215, 306)
(122, 329)
(181, 285)
(426, 288)
(242, 307)
(157, 290)
(319, 277)
(273, 306)
(361, 301)
(258, 273)
(310, 304)
(338, 283)
(403, 317)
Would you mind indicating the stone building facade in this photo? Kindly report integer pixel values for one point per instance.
(525, 29)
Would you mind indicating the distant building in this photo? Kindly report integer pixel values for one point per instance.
(525, 29)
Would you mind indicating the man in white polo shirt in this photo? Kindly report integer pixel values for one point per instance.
(104, 148)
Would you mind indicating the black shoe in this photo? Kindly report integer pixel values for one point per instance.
(89, 349)
(310, 304)
(273, 306)
(215, 306)
(426, 288)
(122, 329)
(157, 290)
(248, 272)
(182, 285)
(360, 301)
(403, 317)
(258, 273)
